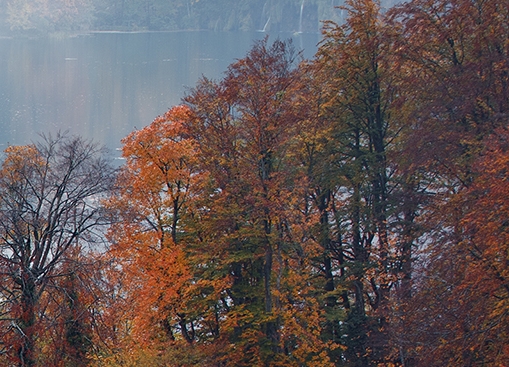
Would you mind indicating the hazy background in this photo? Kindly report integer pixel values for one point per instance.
(39, 16)
(104, 85)
(101, 68)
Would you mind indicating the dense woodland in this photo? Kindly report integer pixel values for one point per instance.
(35, 17)
(350, 210)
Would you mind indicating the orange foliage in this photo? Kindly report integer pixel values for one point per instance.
(154, 187)
(211, 239)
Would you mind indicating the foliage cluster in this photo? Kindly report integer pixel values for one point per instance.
(349, 210)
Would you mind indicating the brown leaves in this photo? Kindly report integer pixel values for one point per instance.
(276, 215)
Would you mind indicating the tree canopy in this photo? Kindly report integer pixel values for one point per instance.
(349, 210)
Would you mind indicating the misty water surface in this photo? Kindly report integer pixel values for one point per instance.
(104, 85)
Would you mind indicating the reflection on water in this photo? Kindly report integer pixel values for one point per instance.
(104, 85)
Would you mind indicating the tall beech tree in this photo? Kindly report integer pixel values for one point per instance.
(50, 196)
(458, 314)
(211, 231)
(155, 186)
(354, 67)
(245, 127)
(457, 54)
(323, 203)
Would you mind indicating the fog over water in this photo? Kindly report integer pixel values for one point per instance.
(104, 85)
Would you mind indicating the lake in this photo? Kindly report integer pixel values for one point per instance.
(102, 86)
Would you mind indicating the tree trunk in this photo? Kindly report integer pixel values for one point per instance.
(26, 324)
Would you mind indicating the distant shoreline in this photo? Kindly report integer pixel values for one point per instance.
(36, 35)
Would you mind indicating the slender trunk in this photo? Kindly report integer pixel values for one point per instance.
(331, 329)
(26, 322)
(325, 243)
(408, 236)
(175, 220)
(357, 328)
(271, 327)
(380, 199)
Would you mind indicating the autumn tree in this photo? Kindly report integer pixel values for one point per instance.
(156, 185)
(458, 314)
(263, 84)
(50, 203)
(354, 67)
(70, 338)
(454, 78)
(212, 233)
(457, 53)
(245, 128)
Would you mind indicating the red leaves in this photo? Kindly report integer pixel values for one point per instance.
(277, 215)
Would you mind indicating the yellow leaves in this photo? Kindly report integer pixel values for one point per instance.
(301, 333)
(160, 169)
(135, 356)
(20, 160)
(20, 153)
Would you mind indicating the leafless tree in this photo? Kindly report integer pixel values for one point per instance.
(50, 201)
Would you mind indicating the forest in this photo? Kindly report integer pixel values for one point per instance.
(36, 17)
(349, 210)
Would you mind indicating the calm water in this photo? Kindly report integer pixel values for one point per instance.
(104, 85)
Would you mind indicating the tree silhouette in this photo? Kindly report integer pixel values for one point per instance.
(50, 202)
